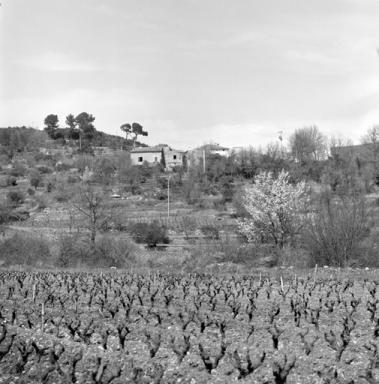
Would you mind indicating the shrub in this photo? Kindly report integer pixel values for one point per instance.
(239, 206)
(257, 255)
(276, 209)
(4, 215)
(11, 181)
(31, 191)
(44, 170)
(160, 194)
(210, 232)
(72, 179)
(49, 186)
(206, 202)
(61, 167)
(35, 178)
(188, 225)
(70, 253)
(18, 170)
(39, 156)
(227, 189)
(149, 233)
(24, 250)
(116, 222)
(18, 215)
(192, 192)
(334, 232)
(41, 201)
(15, 198)
(63, 194)
(107, 252)
(110, 252)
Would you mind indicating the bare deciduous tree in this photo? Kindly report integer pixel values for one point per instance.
(335, 231)
(372, 138)
(90, 204)
(308, 143)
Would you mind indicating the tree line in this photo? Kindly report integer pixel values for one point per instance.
(81, 129)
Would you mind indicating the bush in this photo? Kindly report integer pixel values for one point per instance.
(115, 222)
(24, 250)
(41, 201)
(149, 233)
(4, 214)
(31, 191)
(276, 209)
(50, 186)
(210, 232)
(255, 255)
(39, 156)
(71, 252)
(11, 181)
(188, 225)
(227, 189)
(18, 170)
(62, 167)
(107, 252)
(72, 179)
(63, 194)
(161, 194)
(35, 178)
(44, 170)
(238, 203)
(110, 252)
(206, 202)
(192, 192)
(15, 198)
(335, 231)
(18, 215)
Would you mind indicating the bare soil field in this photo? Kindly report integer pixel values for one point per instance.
(125, 327)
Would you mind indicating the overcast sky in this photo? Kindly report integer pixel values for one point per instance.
(193, 71)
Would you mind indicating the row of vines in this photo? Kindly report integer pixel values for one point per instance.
(115, 327)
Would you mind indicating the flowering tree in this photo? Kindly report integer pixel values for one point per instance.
(276, 209)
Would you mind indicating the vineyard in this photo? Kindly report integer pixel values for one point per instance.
(114, 327)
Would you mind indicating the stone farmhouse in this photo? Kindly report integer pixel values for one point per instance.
(196, 155)
(159, 154)
(216, 149)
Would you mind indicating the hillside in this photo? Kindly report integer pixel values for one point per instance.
(20, 139)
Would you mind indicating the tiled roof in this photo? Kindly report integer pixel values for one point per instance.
(168, 149)
(154, 149)
(147, 149)
(214, 147)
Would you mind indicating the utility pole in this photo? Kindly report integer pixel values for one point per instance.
(281, 143)
(168, 198)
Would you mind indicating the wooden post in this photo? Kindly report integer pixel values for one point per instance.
(314, 275)
(34, 293)
(43, 317)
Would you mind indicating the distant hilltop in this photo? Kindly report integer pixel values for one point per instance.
(28, 138)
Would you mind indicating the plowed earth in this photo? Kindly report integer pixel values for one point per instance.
(128, 328)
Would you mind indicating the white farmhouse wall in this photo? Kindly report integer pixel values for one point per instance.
(173, 158)
(150, 157)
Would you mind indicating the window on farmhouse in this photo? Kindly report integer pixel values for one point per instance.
(155, 159)
(174, 157)
(140, 159)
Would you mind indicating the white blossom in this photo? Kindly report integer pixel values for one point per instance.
(276, 209)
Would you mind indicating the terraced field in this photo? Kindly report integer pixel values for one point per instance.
(120, 327)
